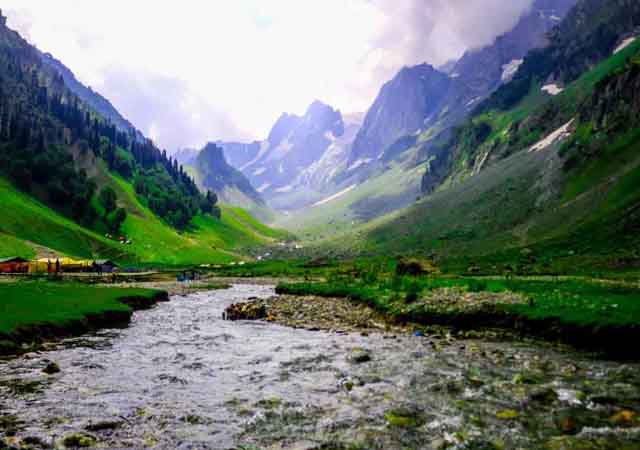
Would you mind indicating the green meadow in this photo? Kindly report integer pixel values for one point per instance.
(29, 304)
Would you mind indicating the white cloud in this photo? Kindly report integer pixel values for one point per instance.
(228, 68)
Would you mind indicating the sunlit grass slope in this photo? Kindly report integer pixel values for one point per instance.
(210, 240)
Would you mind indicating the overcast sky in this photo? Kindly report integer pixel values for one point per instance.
(189, 71)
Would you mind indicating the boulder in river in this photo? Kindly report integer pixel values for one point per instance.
(79, 440)
(360, 356)
(246, 311)
(51, 368)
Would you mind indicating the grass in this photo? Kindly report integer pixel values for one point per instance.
(277, 268)
(11, 246)
(208, 241)
(26, 219)
(579, 302)
(244, 217)
(29, 304)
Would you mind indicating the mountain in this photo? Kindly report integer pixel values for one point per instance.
(422, 99)
(211, 172)
(408, 127)
(586, 37)
(484, 70)
(230, 185)
(96, 101)
(217, 175)
(239, 154)
(186, 156)
(281, 163)
(407, 104)
(402, 131)
(70, 177)
(536, 180)
(321, 178)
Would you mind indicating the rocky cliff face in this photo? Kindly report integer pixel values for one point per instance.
(239, 153)
(483, 70)
(407, 104)
(294, 145)
(421, 98)
(589, 33)
(215, 174)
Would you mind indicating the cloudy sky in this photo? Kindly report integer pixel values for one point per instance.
(190, 71)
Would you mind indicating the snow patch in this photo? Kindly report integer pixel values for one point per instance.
(552, 89)
(627, 42)
(472, 101)
(264, 187)
(479, 166)
(282, 149)
(330, 137)
(359, 163)
(264, 148)
(259, 171)
(559, 135)
(334, 196)
(510, 69)
(284, 190)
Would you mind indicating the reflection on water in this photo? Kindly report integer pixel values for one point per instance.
(180, 377)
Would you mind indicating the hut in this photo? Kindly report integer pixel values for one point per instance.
(104, 266)
(73, 265)
(14, 264)
(46, 265)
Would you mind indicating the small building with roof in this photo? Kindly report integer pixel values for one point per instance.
(14, 264)
(104, 266)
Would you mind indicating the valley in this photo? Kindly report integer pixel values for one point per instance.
(456, 266)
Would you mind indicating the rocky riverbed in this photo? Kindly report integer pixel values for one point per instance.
(341, 315)
(317, 313)
(182, 378)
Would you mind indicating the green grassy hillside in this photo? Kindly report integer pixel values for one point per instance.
(27, 222)
(234, 196)
(573, 206)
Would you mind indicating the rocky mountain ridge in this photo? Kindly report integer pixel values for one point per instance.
(298, 155)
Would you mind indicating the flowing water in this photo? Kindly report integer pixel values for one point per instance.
(180, 377)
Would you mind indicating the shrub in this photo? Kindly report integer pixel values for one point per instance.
(477, 286)
(411, 267)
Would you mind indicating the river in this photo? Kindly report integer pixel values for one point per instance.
(179, 377)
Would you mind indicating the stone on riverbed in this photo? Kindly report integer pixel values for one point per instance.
(246, 311)
(51, 368)
(104, 425)
(507, 414)
(81, 440)
(405, 417)
(335, 315)
(359, 356)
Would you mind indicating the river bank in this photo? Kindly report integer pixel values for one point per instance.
(173, 287)
(592, 317)
(36, 311)
(32, 313)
